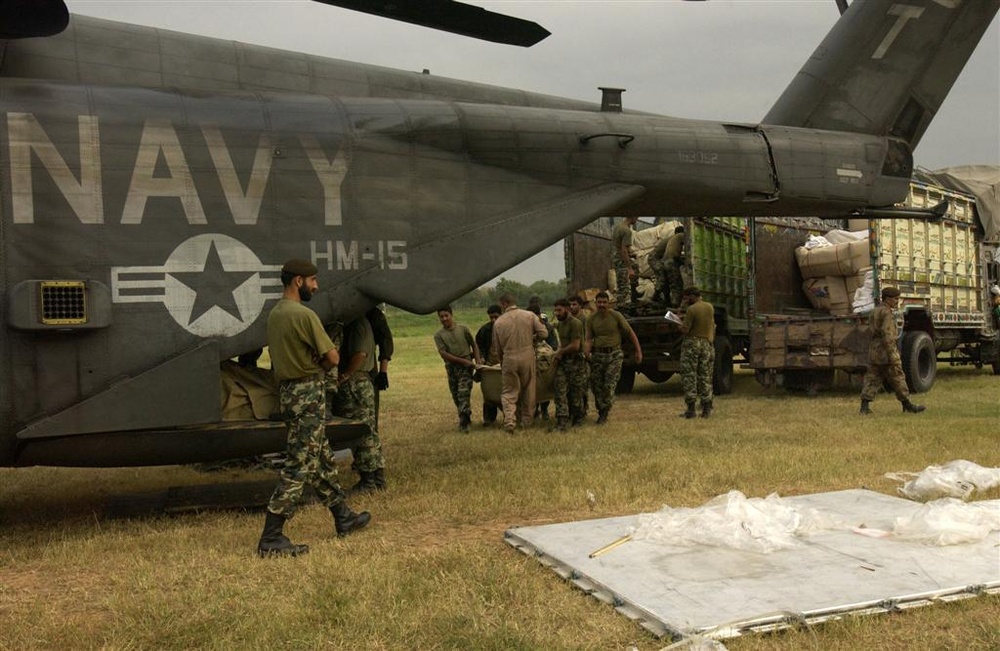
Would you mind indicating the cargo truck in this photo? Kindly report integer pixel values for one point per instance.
(716, 252)
(944, 266)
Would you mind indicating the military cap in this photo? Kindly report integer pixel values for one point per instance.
(298, 267)
(890, 292)
(691, 291)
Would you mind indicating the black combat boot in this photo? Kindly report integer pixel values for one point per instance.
(602, 416)
(368, 482)
(347, 520)
(274, 543)
(379, 476)
(706, 409)
(689, 413)
(910, 408)
(866, 409)
(562, 424)
(463, 422)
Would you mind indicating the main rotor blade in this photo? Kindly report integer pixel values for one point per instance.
(31, 18)
(454, 17)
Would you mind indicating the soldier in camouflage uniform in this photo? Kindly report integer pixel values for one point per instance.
(673, 260)
(602, 345)
(484, 340)
(884, 364)
(460, 353)
(300, 351)
(626, 275)
(576, 304)
(355, 400)
(697, 352)
(570, 382)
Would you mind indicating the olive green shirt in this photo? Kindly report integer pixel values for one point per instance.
(569, 331)
(674, 246)
(699, 319)
(296, 340)
(606, 329)
(457, 341)
(358, 338)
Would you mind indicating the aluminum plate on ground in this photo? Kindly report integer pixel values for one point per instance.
(721, 592)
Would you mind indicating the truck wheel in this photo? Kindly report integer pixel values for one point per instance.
(919, 361)
(722, 378)
(626, 381)
(658, 377)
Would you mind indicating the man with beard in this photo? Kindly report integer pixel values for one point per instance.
(300, 353)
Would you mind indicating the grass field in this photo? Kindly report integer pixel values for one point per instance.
(432, 570)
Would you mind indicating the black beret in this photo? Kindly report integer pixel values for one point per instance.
(890, 292)
(691, 291)
(298, 267)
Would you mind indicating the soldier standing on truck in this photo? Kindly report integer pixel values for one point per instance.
(884, 363)
(697, 352)
(602, 345)
(626, 275)
(673, 260)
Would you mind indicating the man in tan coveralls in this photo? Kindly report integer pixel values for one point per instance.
(514, 337)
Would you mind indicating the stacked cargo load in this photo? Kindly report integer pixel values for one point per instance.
(941, 261)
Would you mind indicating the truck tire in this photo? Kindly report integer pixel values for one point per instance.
(659, 377)
(626, 381)
(722, 377)
(919, 361)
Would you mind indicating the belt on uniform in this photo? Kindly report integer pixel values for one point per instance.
(308, 378)
(605, 349)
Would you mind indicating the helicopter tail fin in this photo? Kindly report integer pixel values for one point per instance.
(885, 67)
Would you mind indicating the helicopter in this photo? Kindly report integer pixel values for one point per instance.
(152, 183)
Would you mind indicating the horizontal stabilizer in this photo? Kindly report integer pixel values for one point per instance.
(451, 266)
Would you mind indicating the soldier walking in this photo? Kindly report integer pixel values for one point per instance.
(576, 303)
(602, 345)
(697, 352)
(884, 363)
(300, 352)
(571, 377)
(460, 353)
(355, 399)
(484, 340)
(514, 337)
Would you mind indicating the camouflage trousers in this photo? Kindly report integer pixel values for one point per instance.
(674, 282)
(460, 385)
(355, 399)
(570, 386)
(879, 374)
(659, 269)
(308, 457)
(697, 366)
(605, 371)
(623, 286)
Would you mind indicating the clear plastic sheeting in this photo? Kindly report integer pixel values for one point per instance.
(949, 521)
(959, 478)
(735, 521)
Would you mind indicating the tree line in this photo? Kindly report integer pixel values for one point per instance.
(546, 290)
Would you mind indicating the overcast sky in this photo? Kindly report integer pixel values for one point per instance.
(717, 60)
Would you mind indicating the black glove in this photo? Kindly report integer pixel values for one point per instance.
(381, 380)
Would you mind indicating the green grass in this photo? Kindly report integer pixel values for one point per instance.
(432, 571)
